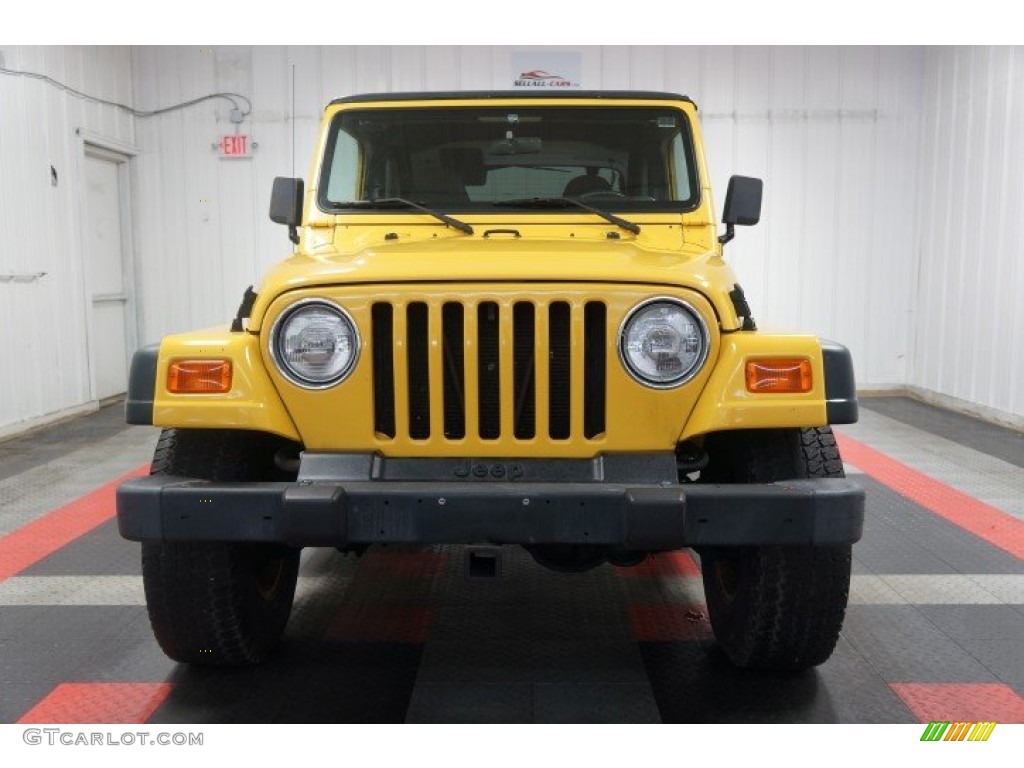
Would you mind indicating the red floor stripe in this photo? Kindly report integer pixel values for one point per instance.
(670, 623)
(983, 520)
(970, 702)
(376, 623)
(404, 565)
(34, 541)
(99, 703)
(664, 564)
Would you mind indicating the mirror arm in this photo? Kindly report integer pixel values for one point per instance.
(730, 233)
(293, 234)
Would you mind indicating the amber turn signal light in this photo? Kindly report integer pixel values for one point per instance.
(199, 376)
(778, 375)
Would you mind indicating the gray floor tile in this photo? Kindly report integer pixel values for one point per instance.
(471, 703)
(602, 703)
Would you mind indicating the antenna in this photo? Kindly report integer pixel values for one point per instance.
(295, 237)
(293, 120)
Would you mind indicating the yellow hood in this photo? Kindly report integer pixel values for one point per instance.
(453, 257)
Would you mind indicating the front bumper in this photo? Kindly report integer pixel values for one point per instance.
(332, 505)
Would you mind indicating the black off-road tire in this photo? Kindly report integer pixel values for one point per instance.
(775, 607)
(218, 604)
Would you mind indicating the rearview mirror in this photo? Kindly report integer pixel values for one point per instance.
(522, 145)
(742, 205)
(286, 204)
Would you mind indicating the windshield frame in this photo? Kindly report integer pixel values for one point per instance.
(610, 203)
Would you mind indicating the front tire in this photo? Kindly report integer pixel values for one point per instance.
(217, 603)
(775, 607)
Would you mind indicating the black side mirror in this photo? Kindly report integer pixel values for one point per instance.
(286, 204)
(742, 205)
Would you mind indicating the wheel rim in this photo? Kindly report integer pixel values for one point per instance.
(726, 579)
(268, 577)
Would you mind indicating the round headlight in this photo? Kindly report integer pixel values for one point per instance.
(663, 342)
(314, 343)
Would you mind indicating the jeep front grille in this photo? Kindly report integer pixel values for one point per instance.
(448, 370)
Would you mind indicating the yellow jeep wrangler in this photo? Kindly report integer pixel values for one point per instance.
(507, 321)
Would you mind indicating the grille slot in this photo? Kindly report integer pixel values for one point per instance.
(383, 370)
(595, 349)
(417, 330)
(488, 373)
(522, 371)
(559, 370)
(452, 320)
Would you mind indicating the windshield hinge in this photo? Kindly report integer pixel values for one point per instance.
(739, 303)
(244, 310)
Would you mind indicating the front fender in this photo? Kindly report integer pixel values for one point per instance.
(725, 403)
(251, 404)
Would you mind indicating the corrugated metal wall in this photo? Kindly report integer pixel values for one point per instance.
(832, 130)
(43, 359)
(970, 323)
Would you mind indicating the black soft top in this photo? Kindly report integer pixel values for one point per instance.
(520, 93)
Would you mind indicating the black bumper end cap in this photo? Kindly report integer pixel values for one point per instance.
(138, 406)
(840, 387)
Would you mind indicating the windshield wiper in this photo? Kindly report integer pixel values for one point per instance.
(401, 202)
(561, 202)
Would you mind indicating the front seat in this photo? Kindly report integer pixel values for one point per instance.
(583, 185)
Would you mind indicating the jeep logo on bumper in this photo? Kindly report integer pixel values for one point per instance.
(478, 470)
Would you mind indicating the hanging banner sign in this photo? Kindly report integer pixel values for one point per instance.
(546, 69)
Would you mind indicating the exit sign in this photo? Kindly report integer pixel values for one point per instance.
(236, 145)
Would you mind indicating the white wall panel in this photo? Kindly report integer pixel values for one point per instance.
(43, 356)
(970, 321)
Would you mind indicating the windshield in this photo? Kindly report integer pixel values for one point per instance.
(470, 159)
